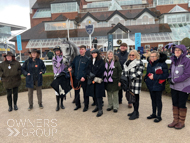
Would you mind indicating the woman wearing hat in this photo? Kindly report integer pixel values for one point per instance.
(10, 72)
(95, 84)
(179, 79)
(58, 67)
(33, 68)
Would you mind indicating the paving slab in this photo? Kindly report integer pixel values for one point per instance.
(69, 126)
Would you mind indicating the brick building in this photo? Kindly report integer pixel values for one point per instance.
(159, 22)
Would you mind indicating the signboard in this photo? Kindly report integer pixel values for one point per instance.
(3, 49)
(110, 42)
(89, 29)
(119, 42)
(137, 40)
(19, 43)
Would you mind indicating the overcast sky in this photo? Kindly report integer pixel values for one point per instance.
(15, 12)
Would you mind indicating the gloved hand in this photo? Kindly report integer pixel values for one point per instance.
(90, 78)
(170, 81)
(159, 71)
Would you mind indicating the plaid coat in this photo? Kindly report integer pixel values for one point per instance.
(134, 72)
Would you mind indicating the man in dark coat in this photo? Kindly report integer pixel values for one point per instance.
(123, 55)
(79, 68)
(95, 41)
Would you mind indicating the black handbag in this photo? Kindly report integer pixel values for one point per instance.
(130, 95)
(124, 82)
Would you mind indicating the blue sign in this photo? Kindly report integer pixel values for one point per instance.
(19, 43)
(137, 40)
(110, 42)
(89, 29)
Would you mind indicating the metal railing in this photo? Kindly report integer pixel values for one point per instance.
(127, 7)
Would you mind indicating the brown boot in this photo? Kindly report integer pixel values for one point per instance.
(175, 116)
(182, 116)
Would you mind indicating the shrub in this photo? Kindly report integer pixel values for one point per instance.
(47, 79)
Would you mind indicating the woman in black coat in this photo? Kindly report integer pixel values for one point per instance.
(33, 68)
(95, 86)
(157, 73)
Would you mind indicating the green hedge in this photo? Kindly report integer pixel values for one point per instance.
(47, 79)
(49, 69)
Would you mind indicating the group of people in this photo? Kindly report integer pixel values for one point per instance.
(96, 75)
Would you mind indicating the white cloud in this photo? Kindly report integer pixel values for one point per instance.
(17, 15)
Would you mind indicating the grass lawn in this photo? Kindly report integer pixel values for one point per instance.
(43, 74)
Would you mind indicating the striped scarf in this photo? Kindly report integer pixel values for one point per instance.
(108, 72)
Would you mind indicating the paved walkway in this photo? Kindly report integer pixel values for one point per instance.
(69, 126)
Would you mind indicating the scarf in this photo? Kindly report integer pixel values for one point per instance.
(128, 62)
(108, 72)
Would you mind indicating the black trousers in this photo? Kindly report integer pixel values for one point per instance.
(120, 94)
(13, 91)
(98, 100)
(77, 93)
(136, 104)
(156, 97)
(179, 98)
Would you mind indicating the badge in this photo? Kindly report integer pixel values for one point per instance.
(176, 71)
(9, 67)
(36, 66)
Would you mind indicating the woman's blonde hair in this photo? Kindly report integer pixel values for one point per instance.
(136, 54)
(109, 51)
(156, 52)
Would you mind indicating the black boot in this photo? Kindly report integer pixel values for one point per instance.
(100, 113)
(10, 108)
(158, 119)
(62, 106)
(134, 116)
(152, 116)
(130, 114)
(93, 104)
(57, 108)
(15, 97)
(95, 110)
(15, 107)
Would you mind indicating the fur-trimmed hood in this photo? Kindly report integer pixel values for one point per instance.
(162, 59)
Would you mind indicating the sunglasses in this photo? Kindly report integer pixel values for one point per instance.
(131, 55)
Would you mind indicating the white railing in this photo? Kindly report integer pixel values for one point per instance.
(127, 7)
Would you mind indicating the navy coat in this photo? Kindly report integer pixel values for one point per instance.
(79, 66)
(26, 68)
(97, 69)
(154, 85)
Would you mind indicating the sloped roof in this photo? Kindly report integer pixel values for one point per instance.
(145, 10)
(42, 4)
(38, 32)
(126, 14)
(119, 25)
(61, 18)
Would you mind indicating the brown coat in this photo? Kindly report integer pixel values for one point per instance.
(10, 77)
